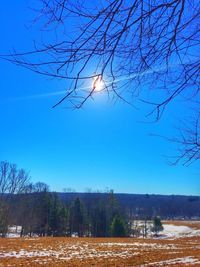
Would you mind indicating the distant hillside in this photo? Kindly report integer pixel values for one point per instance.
(145, 205)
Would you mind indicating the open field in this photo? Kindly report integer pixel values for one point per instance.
(69, 252)
(192, 224)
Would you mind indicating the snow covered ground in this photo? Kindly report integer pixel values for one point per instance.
(174, 231)
(166, 250)
(184, 260)
(14, 231)
(170, 231)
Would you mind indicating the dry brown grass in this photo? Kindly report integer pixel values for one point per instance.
(102, 252)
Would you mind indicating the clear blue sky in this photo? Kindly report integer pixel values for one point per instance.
(102, 145)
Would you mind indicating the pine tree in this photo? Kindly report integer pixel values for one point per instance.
(76, 219)
(157, 225)
(99, 220)
(118, 228)
(58, 217)
(112, 207)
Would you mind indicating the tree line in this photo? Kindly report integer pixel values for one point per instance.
(40, 212)
(44, 214)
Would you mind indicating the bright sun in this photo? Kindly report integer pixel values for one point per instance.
(97, 84)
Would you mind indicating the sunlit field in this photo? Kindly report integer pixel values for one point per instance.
(182, 250)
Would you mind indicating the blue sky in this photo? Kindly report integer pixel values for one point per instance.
(102, 145)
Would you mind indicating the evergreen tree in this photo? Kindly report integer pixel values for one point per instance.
(157, 225)
(76, 220)
(99, 220)
(118, 228)
(44, 207)
(58, 217)
(112, 207)
(3, 219)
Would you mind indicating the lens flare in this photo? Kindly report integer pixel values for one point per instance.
(97, 84)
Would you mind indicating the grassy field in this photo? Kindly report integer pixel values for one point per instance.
(88, 252)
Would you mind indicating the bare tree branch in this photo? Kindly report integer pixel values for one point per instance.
(133, 45)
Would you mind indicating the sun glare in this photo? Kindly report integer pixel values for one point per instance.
(97, 84)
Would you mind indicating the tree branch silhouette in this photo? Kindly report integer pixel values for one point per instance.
(135, 46)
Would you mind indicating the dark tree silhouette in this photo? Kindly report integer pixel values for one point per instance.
(124, 42)
(12, 181)
(118, 228)
(76, 218)
(130, 46)
(188, 140)
(157, 225)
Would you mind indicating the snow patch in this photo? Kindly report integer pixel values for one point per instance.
(139, 245)
(184, 260)
(72, 252)
(174, 231)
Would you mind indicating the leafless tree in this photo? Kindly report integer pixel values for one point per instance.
(40, 187)
(129, 46)
(12, 181)
(188, 142)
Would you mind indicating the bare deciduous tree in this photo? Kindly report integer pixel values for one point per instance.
(40, 187)
(188, 141)
(12, 181)
(123, 42)
(128, 45)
